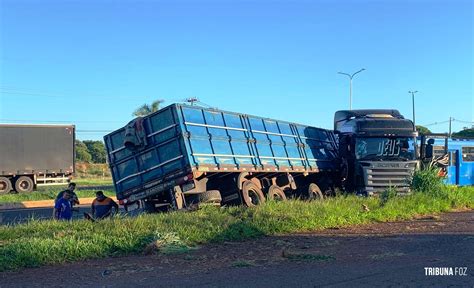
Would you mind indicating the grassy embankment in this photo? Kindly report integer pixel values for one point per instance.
(49, 242)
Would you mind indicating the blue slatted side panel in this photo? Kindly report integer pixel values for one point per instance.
(164, 153)
(219, 139)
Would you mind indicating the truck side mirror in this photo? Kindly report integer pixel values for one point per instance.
(429, 149)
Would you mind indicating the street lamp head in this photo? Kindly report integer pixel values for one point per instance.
(363, 69)
(342, 73)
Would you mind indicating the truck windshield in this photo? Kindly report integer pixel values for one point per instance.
(385, 148)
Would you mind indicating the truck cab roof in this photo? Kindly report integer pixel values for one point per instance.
(373, 122)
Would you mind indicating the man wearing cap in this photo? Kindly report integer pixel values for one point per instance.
(102, 206)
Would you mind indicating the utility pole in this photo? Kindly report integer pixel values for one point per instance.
(350, 84)
(450, 120)
(413, 105)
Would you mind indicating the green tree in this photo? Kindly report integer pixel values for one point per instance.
(96, 150)
(82, 153)
(466, 133)
(146, 109)
(422, 130)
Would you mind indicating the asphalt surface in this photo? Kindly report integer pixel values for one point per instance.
(396, 270)
(15, 216)
(377, 255)
(22, 215)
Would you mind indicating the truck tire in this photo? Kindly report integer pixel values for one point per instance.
(24, 184)
(251, 194)
(179, 196)
(313, 192)
(276, 193)
(5, 185)
(210, 196)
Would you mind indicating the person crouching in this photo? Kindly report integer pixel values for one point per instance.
(103, 206)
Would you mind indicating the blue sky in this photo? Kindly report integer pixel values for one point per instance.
(91, 63)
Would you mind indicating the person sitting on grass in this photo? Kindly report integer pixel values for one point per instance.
(102, 207)
(63, 208)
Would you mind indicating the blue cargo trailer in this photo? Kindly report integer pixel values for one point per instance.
(182, 154)
(460, 164)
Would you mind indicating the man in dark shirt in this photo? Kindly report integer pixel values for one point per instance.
(73, 197)
(62, 208)
(102, 206)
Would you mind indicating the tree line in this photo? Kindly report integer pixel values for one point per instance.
(90, 151)
(465, 133)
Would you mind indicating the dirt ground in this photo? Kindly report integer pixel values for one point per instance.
(377, 255)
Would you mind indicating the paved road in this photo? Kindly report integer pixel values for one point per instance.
(378, 255)
(401, 268)
(14, 216)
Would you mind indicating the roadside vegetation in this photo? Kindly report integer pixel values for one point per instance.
(92, 171)
(50, 242)
(92, 182)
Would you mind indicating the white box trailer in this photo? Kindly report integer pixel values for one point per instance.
(35, 155)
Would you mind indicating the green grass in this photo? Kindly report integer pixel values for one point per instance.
(50, 242)
(47, 194)
(93, 181)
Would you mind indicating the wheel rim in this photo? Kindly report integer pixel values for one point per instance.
(3, 185)
(275, 195)
(24, 185)
(254, 197)
(314, 193)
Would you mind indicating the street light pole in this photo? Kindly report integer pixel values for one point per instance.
(413, 104)
(350, 84)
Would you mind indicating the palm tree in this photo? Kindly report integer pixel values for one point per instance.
(422, 130)
(146, 109)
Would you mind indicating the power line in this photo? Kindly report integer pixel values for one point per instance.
(452, 119)
(461, 121)
(93, 131)
(27, 92)
(436, 123)
(58, 121)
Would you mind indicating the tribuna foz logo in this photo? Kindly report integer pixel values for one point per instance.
(445, 271)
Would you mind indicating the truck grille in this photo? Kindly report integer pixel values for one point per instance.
(380, 176)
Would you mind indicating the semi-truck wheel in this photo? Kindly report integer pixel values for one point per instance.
(24, 184)
(313, 192)
(251, 194)
(276, 193)
(5, 185)
(210, 196)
